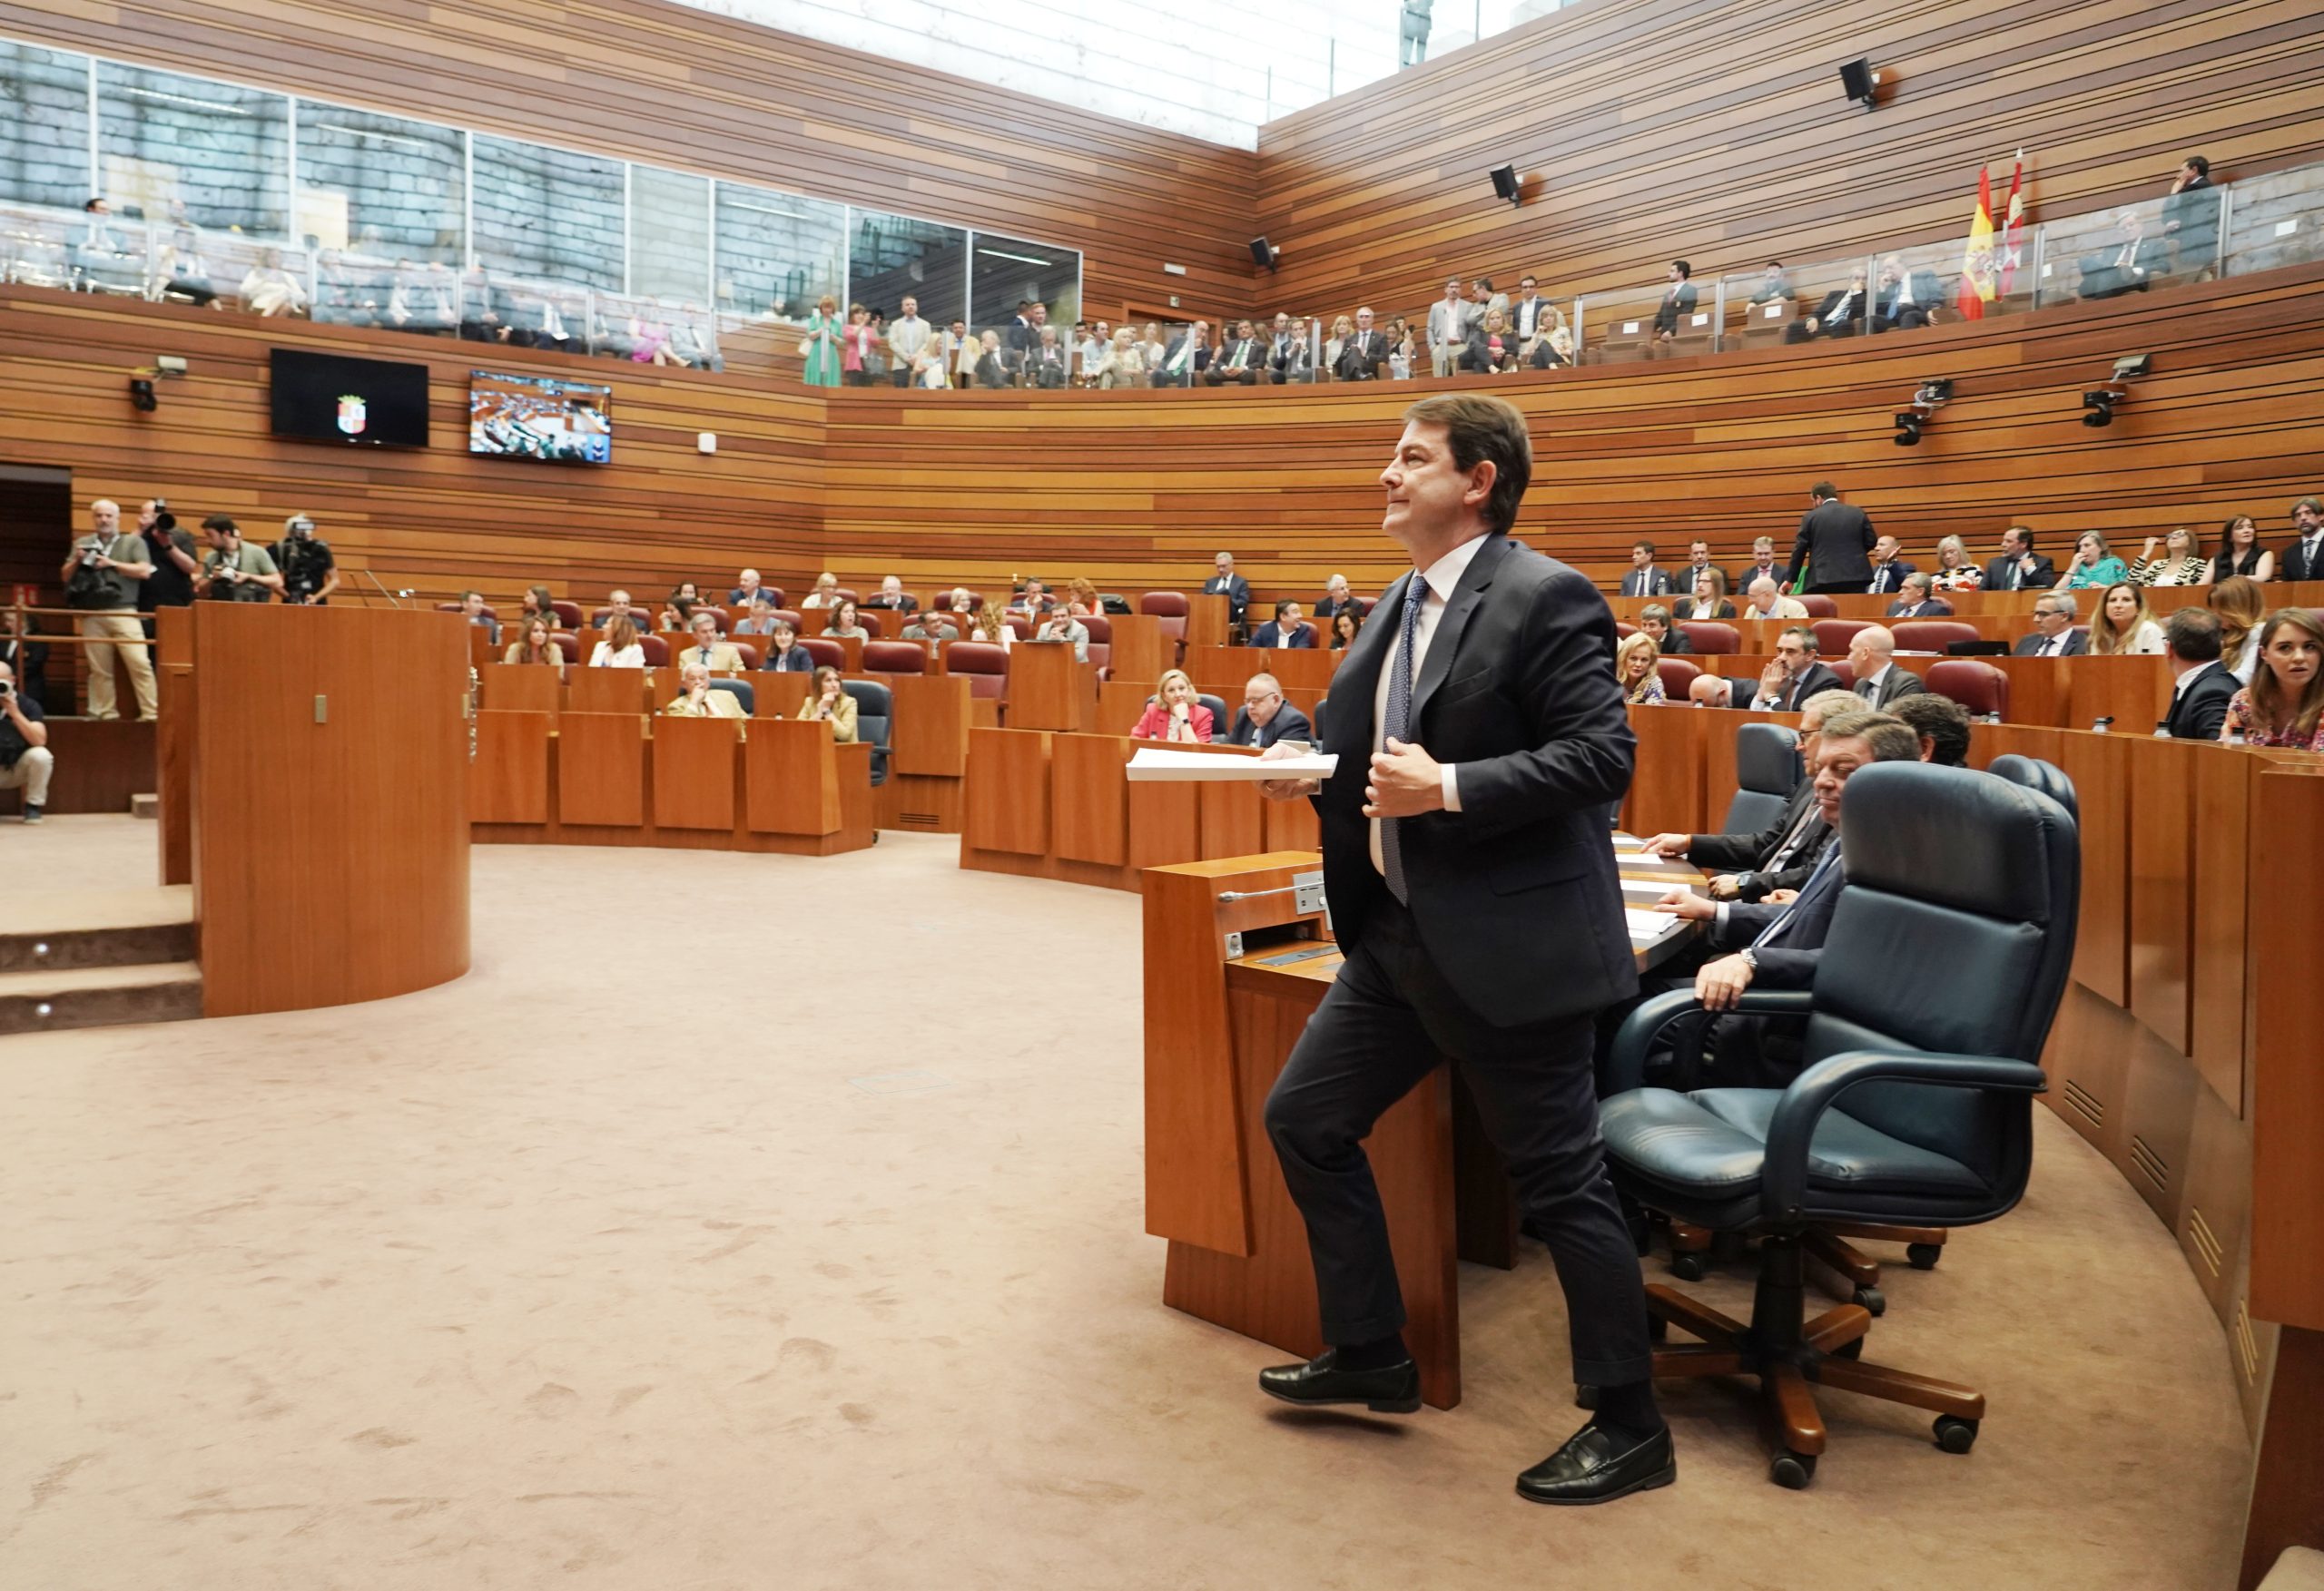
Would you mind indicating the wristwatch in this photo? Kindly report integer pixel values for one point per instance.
(1751, 957)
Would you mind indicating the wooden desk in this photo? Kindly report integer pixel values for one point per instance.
(1206, 621)
(1141, 652)
(1224, 670)
(1049, 689)
(694, 770)
(1217, 1032)
(522, 687)
(608, 690)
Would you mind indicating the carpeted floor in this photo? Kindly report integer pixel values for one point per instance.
(617, 1264)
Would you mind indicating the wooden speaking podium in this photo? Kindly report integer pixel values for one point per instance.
(1238, 956)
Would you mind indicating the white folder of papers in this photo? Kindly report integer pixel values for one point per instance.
(1648, 925)
(1156, 764)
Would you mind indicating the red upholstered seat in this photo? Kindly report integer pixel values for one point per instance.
(828, 654)
(570, 645)
(488, 611)
(847, 596)
(747, 653)
(879, 624)
(1711, 638)
(894, 657)
(1842, 667)
(1164, 604)
(637, 616)
(1821, 607)
(1833, 635)
(1678, 677)
(1978, 686)
(985, 666)
(568, 613)
(1624, 631)
(791, 617)
(1020, 628)
(1100, 628)
(1935, 635)
(656, 650)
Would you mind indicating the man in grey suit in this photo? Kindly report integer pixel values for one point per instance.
(1642, 578)
(1835, 543)
(1872, 657)
(1447, 323)
(1480, 737)
(2054, 631)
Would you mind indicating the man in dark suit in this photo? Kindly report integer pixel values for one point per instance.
(2201, 686)
(1337, 599)
(2191, 216)
(2054, 631)
(1872, 658)
(1762, 567)
(1655, 620)
(1841, 314)
(1236, 360)
(1188, 357)
(1780, 947)
(1643, 578)
(1903, 299)
(1018, 340)
(1361, 355)
(1794, 675)
(1265, 717)
(2128, 267)
(2304, 558)
(1226, 583)
(1777, 857)
(1678, 300)
(1834, 540)
(1888, 570)
(2019, 567)
(1287, 629)
(1919, 600)
(1481, 738)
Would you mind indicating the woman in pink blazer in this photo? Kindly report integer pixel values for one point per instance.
(1173, 714)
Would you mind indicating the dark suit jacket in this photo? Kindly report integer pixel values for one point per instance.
(1830, 318)
(1739, 582)
(793, 661)
(1234, 589)
(1835, 541)
(2291, 563)
(1268, 634)
(1790, 962)
(1999, 570)
(1673, 305)
(1899, 683)
(989, 371)
(1675, 642)
(1197, 362)
(1935, 607)
(1738, 853)
(1927, 294)
(2103, 275)
(2077, 643)
(1890, 576)
(1515, 897)
(2199, 711)
(1815, 678)
(1287, 724)
(1361, 356)
(1651, 581)
(1326, 610)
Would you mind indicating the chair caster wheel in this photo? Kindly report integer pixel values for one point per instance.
(1924, 1256)
(1793, 1471)
(1955, 1435)
(1687, 1267)
(1585, 1396)
(1873, 1302)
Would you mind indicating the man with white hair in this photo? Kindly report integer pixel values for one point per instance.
(747, 590)
(100, 575)
(1336, 597)
(695, 699)
(1872, 656)
(1767, 601)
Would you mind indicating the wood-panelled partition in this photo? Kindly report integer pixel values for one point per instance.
(1717, 130)
(676, 86)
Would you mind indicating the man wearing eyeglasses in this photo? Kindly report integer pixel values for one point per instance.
(2054, 631)
(1266, 717)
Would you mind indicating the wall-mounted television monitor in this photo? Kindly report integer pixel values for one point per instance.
(328, 397)
(535, 417)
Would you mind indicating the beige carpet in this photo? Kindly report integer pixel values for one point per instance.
(614, 1265)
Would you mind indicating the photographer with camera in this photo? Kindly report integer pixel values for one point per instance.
(25, 763)
(102, 574)
(235, 571)
(175, 557)
(310, 573)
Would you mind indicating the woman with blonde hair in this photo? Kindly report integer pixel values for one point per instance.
(2183, 562)
(1635, 671)
(1956, 570)
(2240, 604)
(2122, 625)
(1175, 713)
(1342, 330)
(826, 592)
(1124, 364)
(992, 626)
(2284, 703)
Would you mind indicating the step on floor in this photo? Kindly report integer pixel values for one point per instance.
(56, 930)
(46, 1000)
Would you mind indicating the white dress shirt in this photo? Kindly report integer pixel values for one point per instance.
(1440, 577)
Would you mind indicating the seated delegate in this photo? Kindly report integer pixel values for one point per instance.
(1265, 717)
(695, 699)
(783, 652)
(1778, 856)
(2201, 686)
(2093, 565)
(2284, 703)
(1634, 671)
(1175, 715)
(831, 704)
(1289, 628)
(620, 648)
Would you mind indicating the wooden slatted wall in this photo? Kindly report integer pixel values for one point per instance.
(1717, 130)
(674, 86)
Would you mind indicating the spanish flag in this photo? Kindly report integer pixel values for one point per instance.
(1977, 257)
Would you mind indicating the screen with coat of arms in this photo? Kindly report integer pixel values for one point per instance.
(535, 417)
(329, 398)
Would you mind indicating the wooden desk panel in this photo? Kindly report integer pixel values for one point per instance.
(1141, 652)
(2163, 852)
(852, 774)
(1230, 821)
(1207, 621)
(1047, 690)
(601, 769)
(791, 775)
(511, 778)
(1089, 798)
(2134, 691)
(2100, 767)
(2287, 1285)
(930, 734)
(1121, 703)
(522, 687)
(589, 690)
(1009, 791)
(1291, 826)
(1667, 792)
(694, 772)
(2225, 862)
(1224, 670)
(1165, 825)
(779, 694)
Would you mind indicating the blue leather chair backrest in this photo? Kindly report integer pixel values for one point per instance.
(746, 695)
(2035, 774)
(1767, 771)
(875, 710)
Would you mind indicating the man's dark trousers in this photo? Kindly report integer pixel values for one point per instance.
(1382, 1027)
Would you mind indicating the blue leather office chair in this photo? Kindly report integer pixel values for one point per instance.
(1936, 1075)
(875, 709)
(2035, 774)
(745, 695)
(1767, 771)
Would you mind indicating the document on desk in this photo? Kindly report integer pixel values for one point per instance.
(1155, 764)
(1628, 844)
(1647, 927)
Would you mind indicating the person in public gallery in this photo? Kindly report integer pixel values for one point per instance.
(820, 347)
(1479, 737)
(2240, 552)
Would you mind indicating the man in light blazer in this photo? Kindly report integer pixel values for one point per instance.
(1448, 318)
(1481, 738)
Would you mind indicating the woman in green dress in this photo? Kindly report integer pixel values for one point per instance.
(819, 347)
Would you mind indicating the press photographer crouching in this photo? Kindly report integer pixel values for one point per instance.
(310, 573)
(233, 570)
(25, 762)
